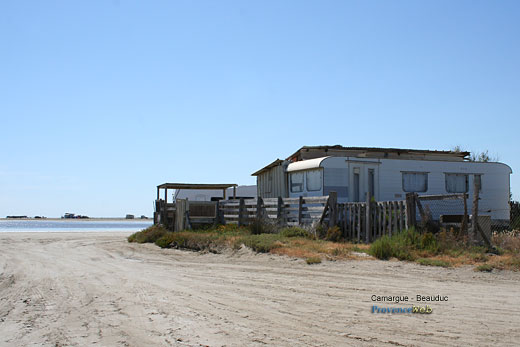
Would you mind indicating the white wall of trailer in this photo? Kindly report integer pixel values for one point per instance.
(494, 193)
(207, 194)
(352, 178)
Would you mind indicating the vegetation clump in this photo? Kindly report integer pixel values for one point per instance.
(295, 232)
(433, 262)
(445, 248)
(484, 268)
(403, 245)
(148, 235)
(313, 260)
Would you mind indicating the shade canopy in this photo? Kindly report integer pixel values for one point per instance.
(196, 185)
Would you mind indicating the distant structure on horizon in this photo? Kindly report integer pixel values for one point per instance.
(69, 215)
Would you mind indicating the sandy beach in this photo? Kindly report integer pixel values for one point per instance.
(70, 289)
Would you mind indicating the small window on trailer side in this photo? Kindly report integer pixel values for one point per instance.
(415, 182)
(296, 182)
(456, 183)
(314, 180)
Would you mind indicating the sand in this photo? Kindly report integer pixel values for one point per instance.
(70, 289)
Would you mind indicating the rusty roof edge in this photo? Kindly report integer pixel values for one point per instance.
(273, 164)
(380, 149)
(196, 185)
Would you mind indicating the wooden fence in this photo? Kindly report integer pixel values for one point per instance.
(358, 221)
(367, 221)
(282, 211)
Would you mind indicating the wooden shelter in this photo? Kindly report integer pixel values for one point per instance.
(175, 214)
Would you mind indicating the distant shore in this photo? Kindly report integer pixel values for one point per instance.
(80, 219)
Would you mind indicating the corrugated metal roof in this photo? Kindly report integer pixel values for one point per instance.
(196, 185)
(273, 164)
(306, 164)
(378, 149)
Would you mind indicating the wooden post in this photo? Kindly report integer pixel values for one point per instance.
(234, 192)
(158, 191)
(464, 225)
(424, 217)
(217, 214)
(300, 210)
(345, 225)
(475, 226)
(351, 214)
(410, 210)
(224, 194)
(333, 208)
(358, 212)
(259, 203)
(379, 220)
(165, 195)
(368, 222)
(279, 211)
(396, 216)
(401, 221)
(474, 212)
(180, 211)
(241, 212)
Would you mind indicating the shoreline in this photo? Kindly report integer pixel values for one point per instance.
(79, 219)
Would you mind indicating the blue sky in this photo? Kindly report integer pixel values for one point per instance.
(100, 101)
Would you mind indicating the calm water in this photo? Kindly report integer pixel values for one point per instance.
(72, 225)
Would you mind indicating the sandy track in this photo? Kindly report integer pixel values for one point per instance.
(71, 289)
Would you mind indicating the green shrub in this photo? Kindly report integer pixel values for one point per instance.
(321, 231)
(429, 243)
(197, 241)
(313, 260)
(400, 245)
(148, 235)
(294, 232)
(433, 262)
(261, 226)
(480, 257)
(166, 241)
(262, 243)
(381, 248)
(334, 234)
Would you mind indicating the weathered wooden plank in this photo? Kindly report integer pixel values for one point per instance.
(358, 226)
(368, 219)
(315, 199)
(382, 216)
(401, 215)
(241, 218)
(390, 217)
(352, 221)
(396, 216)
(291, 200)
(441, 197)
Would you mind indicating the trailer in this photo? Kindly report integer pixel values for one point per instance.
(391, 179)
(388, 174)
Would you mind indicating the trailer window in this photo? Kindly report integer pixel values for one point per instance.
(296, 179)
(415, 182)
(456, 183)
(313, 180)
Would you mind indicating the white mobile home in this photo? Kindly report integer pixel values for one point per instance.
(388, 174)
